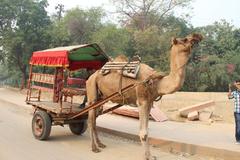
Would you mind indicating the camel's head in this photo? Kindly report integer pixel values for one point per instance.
(184, 46)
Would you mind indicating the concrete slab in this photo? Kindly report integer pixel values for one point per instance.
(155, 113)
(186, 110)
(158, 115)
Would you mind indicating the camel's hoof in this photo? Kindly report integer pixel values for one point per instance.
(151, 158)
(96, 150)
(101, 145)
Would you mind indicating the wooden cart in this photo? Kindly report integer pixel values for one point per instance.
(55, 65)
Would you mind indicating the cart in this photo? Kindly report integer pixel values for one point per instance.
(49, 71)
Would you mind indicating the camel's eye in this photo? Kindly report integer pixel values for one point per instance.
(185, 40)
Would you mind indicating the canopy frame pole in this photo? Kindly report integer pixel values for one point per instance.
(29, 84)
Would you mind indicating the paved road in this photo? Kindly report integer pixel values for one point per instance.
(17, 142)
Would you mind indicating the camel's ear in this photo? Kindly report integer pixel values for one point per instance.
(174, 41)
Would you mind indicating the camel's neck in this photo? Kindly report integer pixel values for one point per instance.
(174, 81)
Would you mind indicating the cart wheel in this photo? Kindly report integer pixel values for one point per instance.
(41, 125)
(78, 128)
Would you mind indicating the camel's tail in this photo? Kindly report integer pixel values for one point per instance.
(91, 87)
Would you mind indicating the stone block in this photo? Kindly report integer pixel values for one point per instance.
(193, 116)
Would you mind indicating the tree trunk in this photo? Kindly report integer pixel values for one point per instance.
(24, 77)
(23, 82)
(16, 84)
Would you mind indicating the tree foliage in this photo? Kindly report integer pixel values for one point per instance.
(77, 26)
(23, 32)
(146, 29)
(81, 24)
(112, 40)
(210, 67)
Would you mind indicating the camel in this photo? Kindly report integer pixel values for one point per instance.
(143, 94)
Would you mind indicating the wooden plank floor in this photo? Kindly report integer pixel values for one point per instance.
(55, 107)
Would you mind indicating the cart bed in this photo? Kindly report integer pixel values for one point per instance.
(55, 107)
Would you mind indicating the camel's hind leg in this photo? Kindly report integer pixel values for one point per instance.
(92, 130)
(92, 97)
(99, 143)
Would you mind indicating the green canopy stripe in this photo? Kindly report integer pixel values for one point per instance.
(87, 53)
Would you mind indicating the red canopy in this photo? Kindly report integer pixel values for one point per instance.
(50, 58)
(59, 57)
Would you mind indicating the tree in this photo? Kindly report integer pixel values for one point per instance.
(59, 34)
(76, 27)
(81, 24)
(26, 32)
(152, 24)
(7, 15)
(154, 42)
(112, 40)
(147, 41)
(145, 13)
(60, 11)
(219, 49)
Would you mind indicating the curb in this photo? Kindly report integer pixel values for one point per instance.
(178, 147)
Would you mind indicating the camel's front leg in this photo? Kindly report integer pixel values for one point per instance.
(144, 110)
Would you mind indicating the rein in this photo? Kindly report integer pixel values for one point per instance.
(152, 60)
